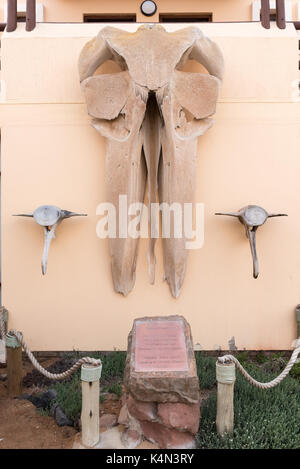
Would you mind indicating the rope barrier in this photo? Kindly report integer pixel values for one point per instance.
(95, 362)
(90, 377)
(258, 384)
(42, 370)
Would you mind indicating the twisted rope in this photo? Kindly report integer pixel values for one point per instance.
(95, 362)
(54, 376)
(270, 384)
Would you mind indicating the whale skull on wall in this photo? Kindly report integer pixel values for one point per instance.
(151, 114)
(49, 217)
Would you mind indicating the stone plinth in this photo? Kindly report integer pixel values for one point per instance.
(165, 369)
(161, 398)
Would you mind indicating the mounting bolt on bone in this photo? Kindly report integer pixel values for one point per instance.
(252, 216)
(49, 217)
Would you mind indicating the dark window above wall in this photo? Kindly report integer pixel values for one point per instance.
(272, 15)
(185, 17)
(21, 17)
(113, 18)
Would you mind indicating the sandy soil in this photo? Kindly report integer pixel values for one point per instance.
(22, 427)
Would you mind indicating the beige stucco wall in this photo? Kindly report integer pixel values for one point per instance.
(223, 10)
(51, 155)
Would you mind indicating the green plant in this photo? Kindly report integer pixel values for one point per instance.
(295, 371)
(44, 412)
(274, 364)
(243, 357)
(206, 370)
(261, 357)
(263, 418)
(113, 364)
(74, 354)
(278, 355)
(69, 396)
(116, 388)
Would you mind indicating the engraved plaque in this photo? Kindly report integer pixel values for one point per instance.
(160, 362)
(160, 346)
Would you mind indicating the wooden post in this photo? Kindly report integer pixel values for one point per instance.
(225, 411)
(3, 330)
(4, 315)
(298, 321)
(11, 15)
(30, 15)
(90, 376)
(280, 14)
(14, 366)
(265, 14)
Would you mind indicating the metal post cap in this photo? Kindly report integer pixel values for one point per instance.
(91, 373)
(12, 341)
(225, 373)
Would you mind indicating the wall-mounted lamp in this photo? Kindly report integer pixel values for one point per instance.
(148, 8)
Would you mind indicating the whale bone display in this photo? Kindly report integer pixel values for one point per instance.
(151, 114)
(252, 216)
(49, 217)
